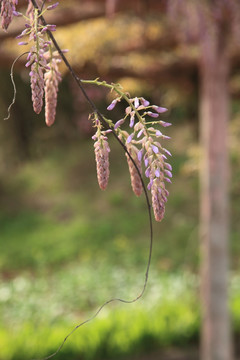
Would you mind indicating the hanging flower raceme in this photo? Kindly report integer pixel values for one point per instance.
(143, 144)
(102, 150)
(8, 10)
(37, 86)
(52, 78)
(43, 61)
(134, 175)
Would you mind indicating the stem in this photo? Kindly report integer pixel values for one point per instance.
(36, 32)
(116, 88)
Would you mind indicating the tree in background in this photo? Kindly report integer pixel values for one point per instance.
(214, 25)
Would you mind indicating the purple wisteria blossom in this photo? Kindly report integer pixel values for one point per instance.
(159, 109)
(144, 102)
(53, 6)
(145, 142)
(112, 105)
(118, 123)
(154, 115)
(43, 62)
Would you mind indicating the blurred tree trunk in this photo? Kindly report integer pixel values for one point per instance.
(214, 227)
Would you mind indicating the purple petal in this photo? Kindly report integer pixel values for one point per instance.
(157, 173)
(154, 115)
(147, 172)
(51, 27)
(52, 6)
(23, 43)
(112, 105)
(136, 102)
(146, 161)
(150, 184)
(164, 198)
(167, 152)
(132, 120)
(140, 154)
(139, 133)
(128, 110)
(16, 13)
(159, 109)
(28, 63)
(129, 139)
(167, 180)
(168, 173)
(24, 32)
(144, 102)
(158, 133)
(155, 149)
(118, 123)
(168, 166)
(165, 124)
(166, 192)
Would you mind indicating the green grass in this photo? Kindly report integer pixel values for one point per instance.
(48, 314)
(40, 312)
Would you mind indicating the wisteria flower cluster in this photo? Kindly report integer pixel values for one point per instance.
(141, 138)
(142, 142)
(42, 59)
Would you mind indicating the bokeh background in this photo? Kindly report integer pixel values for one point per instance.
(65, 246)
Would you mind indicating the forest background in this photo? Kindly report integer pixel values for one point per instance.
(65, 246)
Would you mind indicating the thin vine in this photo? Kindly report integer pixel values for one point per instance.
(140, 145)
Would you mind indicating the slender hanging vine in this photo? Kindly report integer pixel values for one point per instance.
(141, 143)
